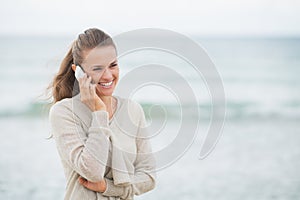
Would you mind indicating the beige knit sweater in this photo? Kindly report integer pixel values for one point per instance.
(94, 147)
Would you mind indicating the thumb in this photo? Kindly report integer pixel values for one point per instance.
(94, 89)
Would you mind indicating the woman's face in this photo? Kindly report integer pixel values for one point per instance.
(101, 64)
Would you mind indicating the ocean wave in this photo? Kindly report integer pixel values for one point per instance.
(234, 110)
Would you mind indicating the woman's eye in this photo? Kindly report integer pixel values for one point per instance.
(113, 65)
(97, 69)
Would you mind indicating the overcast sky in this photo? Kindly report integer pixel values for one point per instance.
(210, 17)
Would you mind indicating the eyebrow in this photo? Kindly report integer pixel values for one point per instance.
(102, 65)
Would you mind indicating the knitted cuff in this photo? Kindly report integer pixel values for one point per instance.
(113, 190)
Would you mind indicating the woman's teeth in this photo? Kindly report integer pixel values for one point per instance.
(106, 84)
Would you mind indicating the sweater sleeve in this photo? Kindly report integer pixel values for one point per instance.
(144, 175)
(81, 150)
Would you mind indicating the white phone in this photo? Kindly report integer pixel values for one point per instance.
(79, 73)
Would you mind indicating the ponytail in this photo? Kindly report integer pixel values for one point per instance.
(63, 84)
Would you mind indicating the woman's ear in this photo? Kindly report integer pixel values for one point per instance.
(73, 67)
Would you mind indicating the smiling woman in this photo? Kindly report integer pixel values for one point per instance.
(101, 64)
(101, 160)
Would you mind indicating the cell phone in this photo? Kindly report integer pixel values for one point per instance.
(79, 73)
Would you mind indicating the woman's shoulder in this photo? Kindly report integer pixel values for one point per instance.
(62, 103)
(66, 104)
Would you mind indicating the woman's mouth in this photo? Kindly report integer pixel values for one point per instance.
(106, 84)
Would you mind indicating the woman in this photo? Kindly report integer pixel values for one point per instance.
(101, 138)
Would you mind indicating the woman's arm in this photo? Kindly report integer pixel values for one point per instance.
(144, 176)
(88, 155)
(143, 179)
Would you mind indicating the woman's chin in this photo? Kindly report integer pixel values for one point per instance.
(104, 91)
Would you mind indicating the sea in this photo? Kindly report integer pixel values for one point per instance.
(256, 155)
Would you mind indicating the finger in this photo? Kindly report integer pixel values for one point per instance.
(83, 181)
(95, 95)
(86, 87)
(87, 184)
(93, 89)
(86, 82)
(82, 81)
(89, 86)
(80, 180)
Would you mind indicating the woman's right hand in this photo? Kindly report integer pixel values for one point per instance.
(88, 94)
(94, 186)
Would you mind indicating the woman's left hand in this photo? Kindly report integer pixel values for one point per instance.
(95, 186)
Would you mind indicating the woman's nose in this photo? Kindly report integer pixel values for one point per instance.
(106, 74)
